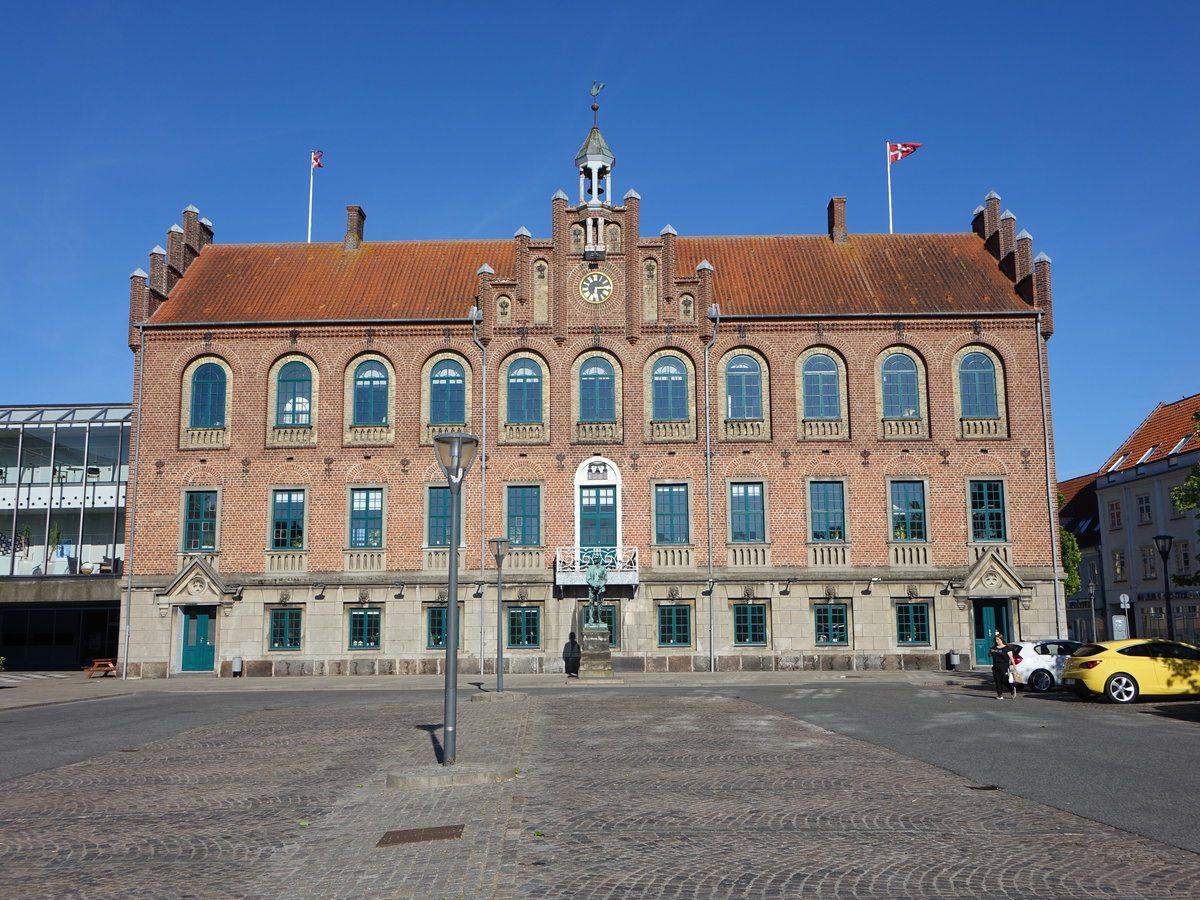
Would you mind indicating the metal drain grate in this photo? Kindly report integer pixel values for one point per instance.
(419, 835)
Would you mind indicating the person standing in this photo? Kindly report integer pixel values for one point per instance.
(571, 656)
(1002, 663)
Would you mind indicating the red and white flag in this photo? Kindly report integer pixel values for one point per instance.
(897, 152)
(317, 154)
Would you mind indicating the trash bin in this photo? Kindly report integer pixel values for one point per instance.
(236, 667)
(953, 659)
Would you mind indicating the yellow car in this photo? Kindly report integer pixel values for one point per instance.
(1121, 670)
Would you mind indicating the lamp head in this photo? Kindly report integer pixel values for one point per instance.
(1163, 542)
(499, 548)
(455, 453)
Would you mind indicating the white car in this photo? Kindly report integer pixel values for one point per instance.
(1042, 662)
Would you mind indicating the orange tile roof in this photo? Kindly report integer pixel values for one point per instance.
(324, 282)
(1080, 511)
(1162, 430)
(893, 275)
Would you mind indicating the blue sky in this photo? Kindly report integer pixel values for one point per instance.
(460, 120)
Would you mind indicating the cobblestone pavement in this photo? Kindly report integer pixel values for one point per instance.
(619, 796)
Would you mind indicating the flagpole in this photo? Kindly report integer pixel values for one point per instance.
(887, 155)
(311, 167)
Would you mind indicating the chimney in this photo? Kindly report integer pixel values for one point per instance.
(991, 223)
(174, 256)
(1044, 299)
(837, 220)
(355, 219)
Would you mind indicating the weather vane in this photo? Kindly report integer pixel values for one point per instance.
(597, 87)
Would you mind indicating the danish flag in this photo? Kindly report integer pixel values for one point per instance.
(317, 154)
(897, 152)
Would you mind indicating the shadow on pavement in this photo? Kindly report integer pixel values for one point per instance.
(438, 751)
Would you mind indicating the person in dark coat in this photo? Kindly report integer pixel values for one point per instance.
(1002, 663)
(571, 655)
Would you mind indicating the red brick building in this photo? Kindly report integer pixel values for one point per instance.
(793, 451)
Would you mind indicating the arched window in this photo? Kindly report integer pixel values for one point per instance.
(821, 399)
(370, 394)
(977, 386)
(743, 388)
(293, 404)
(208, 397)
(900, 397)
(596, 396)
(670, 398)
(524, 391)
(447, 394)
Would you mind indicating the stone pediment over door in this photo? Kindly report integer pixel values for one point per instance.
(991, 576)
(198, 585)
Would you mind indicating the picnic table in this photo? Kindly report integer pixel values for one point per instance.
(102, 666)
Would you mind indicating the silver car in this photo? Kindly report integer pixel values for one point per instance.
(1042, 662)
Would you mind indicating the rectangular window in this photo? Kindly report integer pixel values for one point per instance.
(366, 517)
(1149, 563)
(608, 615)
(1143, 509)
(1183, 558)
(912, 623)
(750, 623)
(747, 520)
(200, 520)
(364, 629)
(987, 511)
(287, 520)
(671, 514)
(1114, 513)
(830, 622)
(827, 511)
(674, 626)
(908, 511)
(1118, 560)
(525, 515)
(435, 627)
(439, 517)
(524, 626)
(285, 629)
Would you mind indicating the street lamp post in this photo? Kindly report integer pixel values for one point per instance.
(1163, 542)
(455, 453)
(1092, 609)
(499, 550)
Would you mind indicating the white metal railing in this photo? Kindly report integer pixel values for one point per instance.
(571, 564)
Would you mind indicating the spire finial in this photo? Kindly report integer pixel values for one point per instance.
(597, 87)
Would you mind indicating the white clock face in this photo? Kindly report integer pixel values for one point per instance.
(595, 287)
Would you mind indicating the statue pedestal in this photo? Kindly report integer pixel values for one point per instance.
(597, 655)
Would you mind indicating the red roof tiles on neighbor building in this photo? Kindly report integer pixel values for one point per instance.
(1159, 436)
(754, 276)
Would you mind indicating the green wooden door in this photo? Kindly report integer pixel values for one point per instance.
(199, 654)
(990, 616)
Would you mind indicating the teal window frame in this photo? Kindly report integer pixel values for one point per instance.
(987, 511)
(822, 394)
(743, 389)
(447, 393)
(287, 629)
(435, 627)
(524, 627)
(750, 624)
(747, 512)
(371, 393)
(438, 532)
(830, 624)
(827, 512)
(287, 518)
(671, 514)
(524, 513)
(608, 615)
(901, 397)
(293, 395)
(365, 628)
(912, 623)
(366, 518)
(908, 511)
(208, 397)
(200, 521)
(597, 394)
(977, 387)
(674, 625)
(669, 390)
(524, 391)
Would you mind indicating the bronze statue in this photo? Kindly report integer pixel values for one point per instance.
(597, 578)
